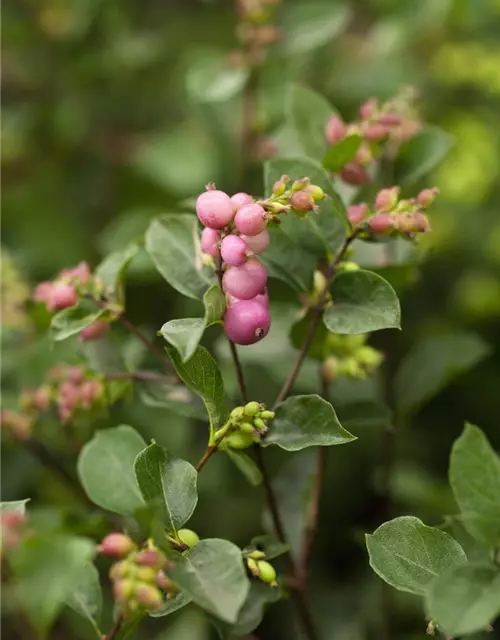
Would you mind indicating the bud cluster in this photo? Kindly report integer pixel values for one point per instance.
(255, 32)
(12, 524)
(350, 356)
(246, 425)
(260, 568)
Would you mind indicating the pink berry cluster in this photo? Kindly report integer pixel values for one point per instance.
(388, 124)
(12, 529)
(392, 216)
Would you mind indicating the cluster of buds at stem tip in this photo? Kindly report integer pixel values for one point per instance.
(246, 425)
(260, 568)
(350, 357)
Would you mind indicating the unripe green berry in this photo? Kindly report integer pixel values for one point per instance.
(253, 566)
(298, 185)
(369, 356)
(236, 414)
(257, 554)
(123, 590)
(122, 569)
(279, 187)
(251, 409)
(316, 192)
(259, 424)
(349, 266)
(239, 440)
(188, 537)
(246, 427)
(267, 573)
(148, 596)
(146, 574)
(267, 415)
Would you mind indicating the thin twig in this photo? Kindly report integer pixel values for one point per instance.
(147, 376)
(158, 353)
(239, 371)
(209, 453)
(113, 634)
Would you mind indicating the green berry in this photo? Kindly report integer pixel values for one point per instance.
(267, 572)
(239, 440)
(316, 192)
(188, 537)
(246, 427)
(267, 415)
(259, 424)
(237, 414)
(253, 566)
(251, 409)
(257, 554)
(121, 570)
(146, 574)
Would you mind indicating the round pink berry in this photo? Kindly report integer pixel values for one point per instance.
(381, 222)
(250, 220)
(367, 109)
(42, 291)
(247, 281)
(117, 545)
(94, 331)
(240, 200)
(354, 173)
(335, 129)
(214, 209)
(233, 250)
(89, 393)
(387, 199)
(263, 299)
(356, 213)
(209, 242)
(258, 243)
(62, 296)
(246, 322)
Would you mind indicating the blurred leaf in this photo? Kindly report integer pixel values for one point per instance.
(246, 465)
(169, 480)
(18, 506)
(86, 596)
(270, 545)
(310, 25)
(112, 270)
(288, 261)
(362, 302)
(307, 114)
(180, 600)
(252, 612)
(106, 469)
(213, 575)
(465, 599)
(340, 154)
(171, 241)
(71, 321)
(298, 334)
(432, 364)
(185, 334)
(176, 398)
(306, 421)
(475, 480)
(421, 154)
(408, 555)
(210, 78)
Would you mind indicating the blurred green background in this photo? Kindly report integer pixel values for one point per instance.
(115, 111)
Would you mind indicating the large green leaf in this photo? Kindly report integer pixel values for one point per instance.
(86, 597)
(307, 113)
(432, 363)
(362, 302)
(475, 480)
(464, 599)
(71, 321)
(170, 481)
(185, 334)
(112, 270)
(174, 604)
(246, 465)
(409, 555)
(172, 241)
(306, 421)
(251, 613)
(340, 154)
(106, 469)
(421, 154)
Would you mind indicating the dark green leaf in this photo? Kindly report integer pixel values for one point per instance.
(71, 321)
(86, 597)
(246, 465)
(298, 334)
(270, 545)
(106, 469)
(18, 506)
(307, 115)
(174, 604)
(112, 270)
(252, 611)
(341, 153)
(289, 261)
(421, 154)
(176, 398)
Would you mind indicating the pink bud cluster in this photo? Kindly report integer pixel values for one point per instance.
(12, 528)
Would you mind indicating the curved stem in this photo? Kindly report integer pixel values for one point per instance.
(113, 633)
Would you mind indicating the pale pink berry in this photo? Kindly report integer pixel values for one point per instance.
(116, 545)
(250, 220)
(368, 108)
(390, 119)
(41, 398)
(381, 222)
(387, 199)
(233, 250)
(258, 243)
(421, 222)
(81, 273)
(214, 209)
(263, 299)
(375, 132)
(247, 281)
(90, 392)
(94, 331)
(42, 292)
(356, 213)
(150, 558)
(426, 196)
(246, 322)
(75, 374)
(354, 173)
(335, 129)
(240, 200)
(209, 242)
(62, 296)
(148, 596)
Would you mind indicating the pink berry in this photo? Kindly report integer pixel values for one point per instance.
(389, 119)
(62, 296)
(94, 331)
(41, 398)
(250, 220)
(335, 129)
(247, 281)
(263, 299)
(426, 196)
(81, 273)
(233, 250)
(89, 392)
(150, 558)
(214, 209)
(42, 292)
(356, 213)
(258, 243)
(375, 132)
(421, 222)
(368, 108)
(209, 242)
(354, 173)
(75, 374)
(381, 222)
(240, 200)
(117, 545)
(246, 322)
(387, 199)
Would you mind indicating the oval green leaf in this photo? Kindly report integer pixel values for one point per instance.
(86, 596)
(71, 321)
(340, 154)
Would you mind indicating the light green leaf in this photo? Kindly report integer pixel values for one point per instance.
(310, 25)
(172, 242)
(209, 78)
(170, 481)
(432, 364)
(475, 480)
(106, 469)
(306, 421)
(341, 153)
(18, 506)
(464, 599)
(185, 334)
(362, 302)
(213, 575)
(175, 397)
(86, 597)
(246, 465)
(409, 555)
(307, 113)
(174, 604)
(69, 322)
(421, 154)
(112, 270)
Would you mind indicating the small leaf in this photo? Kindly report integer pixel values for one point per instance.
(306, 421)
(213, 575)
(362, 302)
(174, 397)
(408, 555)
(71, 321)
(18, 506)
(169, 480)
(185, 334)
(432, 364)
(464, 599)
(105, 469)
(341, 153)
(475, 480)
(171, 242)
(246, 465)
(86, 596)
(174, 604)
(421, 154)
(202, 375)
(112, 270)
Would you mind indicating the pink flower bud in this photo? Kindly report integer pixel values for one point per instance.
(12, 519)
(363, 155)
(387, 199)
(390, 119)
(247, 281)
(116, 545)
(302, 201)
(250, 220)
(246, 322)
(42, 292)
(148, 596)
(353, 173)
(335, 129)
(62, 296)
(41, 398)
(164, 582)
(150, 558)
(81, 273)
(94, 331)
(75, 374)
(69, 393)
(381, 222)
(240, 200)
(258, 243)
(421, 222)
(375, 132)
(356, 213)
(209, 242)
(427, 196)
(368, 109)
(233, 250)
(123, 590)
(214, 209)
(90, 392)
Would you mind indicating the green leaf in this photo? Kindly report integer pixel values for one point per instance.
(86, 597)
(408, 555)
(307, 113)
(185, 334)
(174, 397)
(202, 375)
(18, 506)
(475, 480)
(174, 604)
(71, 321)
(246, 465)
(432, 364)
(341, 153)
(362, 302)
(270, 545)
(169, 480)
(421, 154)
(288, 261)
(172, 241)
(213, 575)
(105, 469)
(252, 612)
(298, 334)
(306, 421)
(209, 78)
(112, 270)
(464, 599)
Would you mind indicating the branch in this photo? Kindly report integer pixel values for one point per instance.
(113, 634)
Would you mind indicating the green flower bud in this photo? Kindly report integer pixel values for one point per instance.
(316, 192)
(122, 569)
(239, 440)
(246, 427)
(257, 554)
(253, 566)
(236, 414)
(267, 415)
(188, 537)
(279, 187)
(251, 409)
(349, 266)
(298, 185)
(267, 572)
(148, 596)
(259, 424)
(146, 574)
